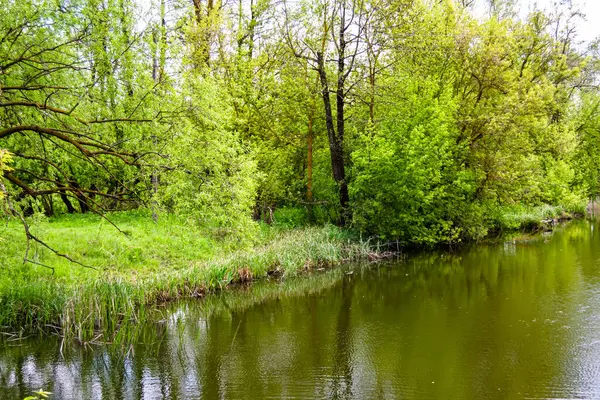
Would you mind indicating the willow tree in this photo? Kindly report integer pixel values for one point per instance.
(73, 107)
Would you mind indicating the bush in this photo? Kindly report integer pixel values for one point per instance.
(409, 182)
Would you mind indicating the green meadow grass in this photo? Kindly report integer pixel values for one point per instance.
(145, 265)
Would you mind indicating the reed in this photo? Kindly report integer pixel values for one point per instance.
(149, 265)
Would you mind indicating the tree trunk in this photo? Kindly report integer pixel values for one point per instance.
(158, 68)
(309, 164)
(372, 95)
(309, 161)
(335, 145)
(340, 103)
(48, 206)
(68, 204)
(203, 19)
(84, 207)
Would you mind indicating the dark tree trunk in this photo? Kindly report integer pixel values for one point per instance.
(335, 142)
(81, 198)
(48, 206)
(345, 65)
(309, 164)
(68, 204)
(340, 103)
(83, 205)
(372, 95)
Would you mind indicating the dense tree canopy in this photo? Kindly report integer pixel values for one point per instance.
(409, 120)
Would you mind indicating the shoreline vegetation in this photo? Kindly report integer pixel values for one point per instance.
(151, 264)
(211, 145)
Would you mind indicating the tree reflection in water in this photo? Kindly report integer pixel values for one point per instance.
(488, 321)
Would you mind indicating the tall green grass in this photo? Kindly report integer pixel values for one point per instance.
(514, 218)
(149, 264)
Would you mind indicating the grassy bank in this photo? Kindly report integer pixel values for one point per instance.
(531, 219)
(150, 264)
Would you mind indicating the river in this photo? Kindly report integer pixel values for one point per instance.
(516, 319)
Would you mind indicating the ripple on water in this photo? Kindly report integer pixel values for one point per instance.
(487, 322)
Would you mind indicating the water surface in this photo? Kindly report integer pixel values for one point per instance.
(518, 319)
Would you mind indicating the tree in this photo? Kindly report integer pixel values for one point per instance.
(61, 108)
(342, 25)
(73, 106)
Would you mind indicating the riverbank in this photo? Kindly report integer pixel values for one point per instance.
(147, 264)
(532, 219)
(496, 302)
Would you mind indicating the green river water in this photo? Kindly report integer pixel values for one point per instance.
(518, 319)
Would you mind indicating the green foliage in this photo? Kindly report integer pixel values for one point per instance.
(290, 217)
(212, 177)
(470, 125)
(5, 161)
(447, 116)
(409, 184)
(587, 161)
(40, 394)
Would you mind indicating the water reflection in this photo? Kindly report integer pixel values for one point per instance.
(515, 320)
